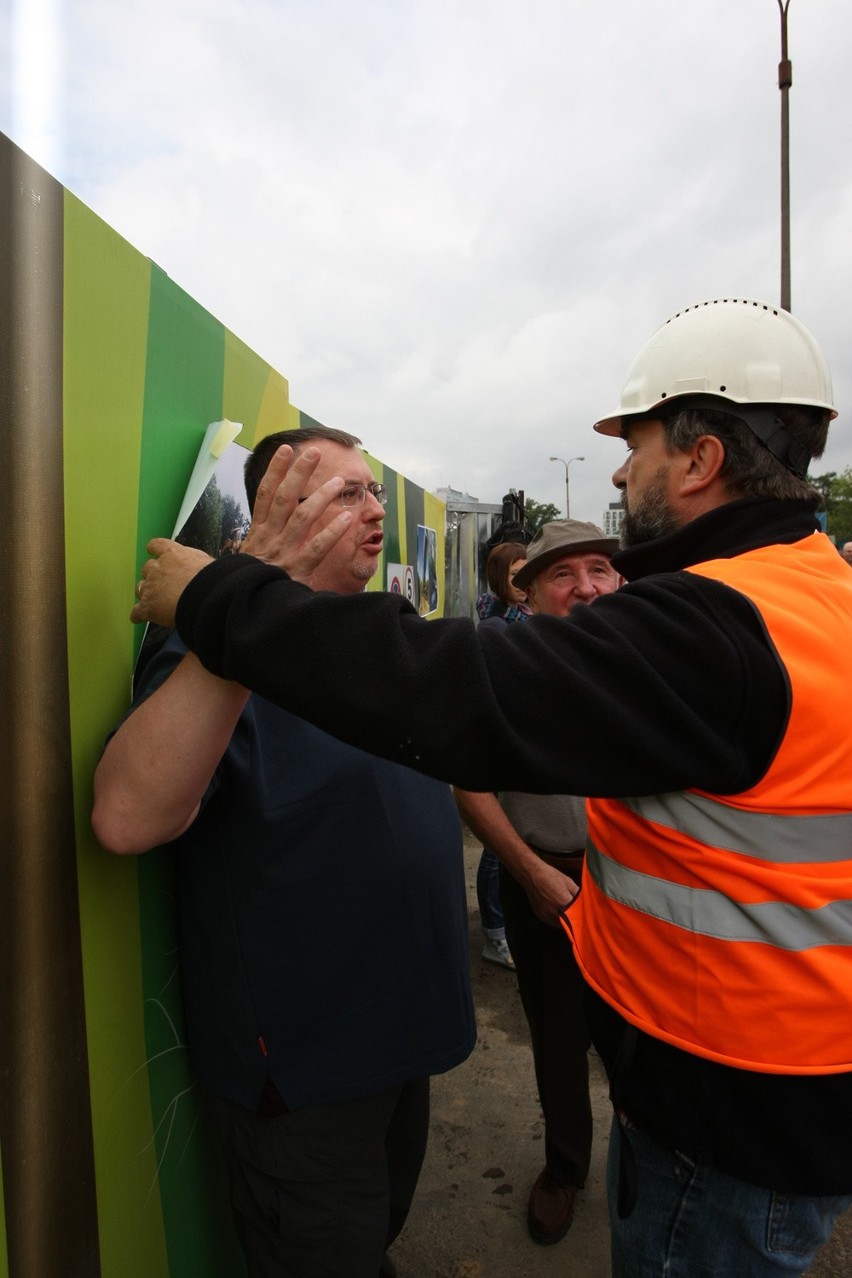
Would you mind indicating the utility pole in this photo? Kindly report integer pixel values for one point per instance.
(566, 464)
(785, 80)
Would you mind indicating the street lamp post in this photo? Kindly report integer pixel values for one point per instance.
(566, 464)
(785, 80)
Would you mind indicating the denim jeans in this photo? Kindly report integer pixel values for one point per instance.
(692, 1221)
(488, 896)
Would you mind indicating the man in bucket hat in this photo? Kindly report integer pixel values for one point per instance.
(540, 840)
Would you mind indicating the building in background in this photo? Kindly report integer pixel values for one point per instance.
(613, 519)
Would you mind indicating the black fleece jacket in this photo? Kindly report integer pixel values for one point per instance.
(669, 683)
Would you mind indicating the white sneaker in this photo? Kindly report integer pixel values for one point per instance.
(498, 952)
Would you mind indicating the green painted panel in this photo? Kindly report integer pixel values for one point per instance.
(394, 545)
(183, 393)
(106, 289)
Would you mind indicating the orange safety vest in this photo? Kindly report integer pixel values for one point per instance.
(723, 924)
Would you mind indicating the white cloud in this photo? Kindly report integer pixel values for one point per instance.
(451, 226)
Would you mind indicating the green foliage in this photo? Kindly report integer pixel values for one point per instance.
(836, 502)
(537, 513)
(217, 524)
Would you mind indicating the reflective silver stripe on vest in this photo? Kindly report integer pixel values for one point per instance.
(706, 912)
(783, 840)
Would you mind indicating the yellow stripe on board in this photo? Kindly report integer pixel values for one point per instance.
(107, 287)
(255, 394)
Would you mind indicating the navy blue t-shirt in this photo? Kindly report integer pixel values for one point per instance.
(323, 916)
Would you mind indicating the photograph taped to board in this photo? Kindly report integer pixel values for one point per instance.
(427, 570)
(214, 516)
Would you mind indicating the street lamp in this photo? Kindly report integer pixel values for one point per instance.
(566, 464)
(785, 80)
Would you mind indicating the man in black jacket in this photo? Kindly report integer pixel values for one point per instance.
(714, 926)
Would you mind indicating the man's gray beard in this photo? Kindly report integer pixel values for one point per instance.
(652, 517)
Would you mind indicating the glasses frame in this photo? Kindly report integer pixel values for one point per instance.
(356, 494)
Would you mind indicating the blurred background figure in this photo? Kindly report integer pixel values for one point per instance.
(500, 606)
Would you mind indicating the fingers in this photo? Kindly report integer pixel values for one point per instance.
(158, 546)
(317, 547)
(299, 515)
(283, 486)
(275, 475)
(164, 578)
(287, 530)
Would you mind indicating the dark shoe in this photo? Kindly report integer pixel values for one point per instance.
(550, 1210)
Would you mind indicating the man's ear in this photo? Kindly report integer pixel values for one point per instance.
(703, 463)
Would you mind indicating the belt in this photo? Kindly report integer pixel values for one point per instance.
(568, 862)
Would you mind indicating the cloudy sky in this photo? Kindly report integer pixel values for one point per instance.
(452, 224)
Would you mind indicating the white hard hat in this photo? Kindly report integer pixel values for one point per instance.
(732, 349)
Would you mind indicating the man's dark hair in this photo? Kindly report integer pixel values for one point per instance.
(258, 462)
(750, 469)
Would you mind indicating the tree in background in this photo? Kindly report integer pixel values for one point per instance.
(836, 502)
(536, 513)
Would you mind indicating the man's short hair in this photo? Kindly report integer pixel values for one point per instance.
(258, 463)
(750, 469)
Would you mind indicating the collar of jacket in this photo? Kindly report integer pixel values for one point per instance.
(722, 533)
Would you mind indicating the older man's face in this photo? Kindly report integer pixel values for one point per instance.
(571, 580)
(846, 552)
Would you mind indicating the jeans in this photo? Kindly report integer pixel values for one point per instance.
(488, 896)
(692, 1221)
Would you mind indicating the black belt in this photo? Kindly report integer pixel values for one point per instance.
(568, 862)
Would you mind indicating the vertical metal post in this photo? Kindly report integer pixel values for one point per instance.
(785, 80)
(566, 464)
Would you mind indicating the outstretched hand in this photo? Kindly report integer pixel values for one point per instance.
(283, 532)
(284, 525)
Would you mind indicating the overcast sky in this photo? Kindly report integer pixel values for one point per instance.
(452, 224)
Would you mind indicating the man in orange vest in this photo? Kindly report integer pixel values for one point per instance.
(707, 709)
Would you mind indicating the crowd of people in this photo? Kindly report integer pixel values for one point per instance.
(691, 918)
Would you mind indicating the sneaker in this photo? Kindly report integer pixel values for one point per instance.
(498, 952)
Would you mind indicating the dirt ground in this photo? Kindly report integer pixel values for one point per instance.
(486, 1149)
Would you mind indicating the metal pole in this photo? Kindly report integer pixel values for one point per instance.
(785, 80)
(566, 464)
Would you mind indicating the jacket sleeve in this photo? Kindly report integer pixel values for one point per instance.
(670, 683)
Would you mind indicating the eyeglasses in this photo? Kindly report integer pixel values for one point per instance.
(356, 494)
